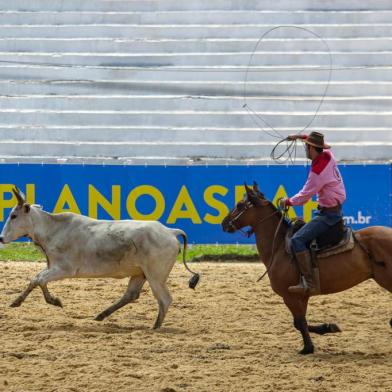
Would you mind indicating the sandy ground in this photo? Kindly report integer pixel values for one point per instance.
(231, 334)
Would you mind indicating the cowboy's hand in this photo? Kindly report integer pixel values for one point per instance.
(282, 203)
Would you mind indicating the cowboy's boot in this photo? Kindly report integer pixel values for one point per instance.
(306, 284)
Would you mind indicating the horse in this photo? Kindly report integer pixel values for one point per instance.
(370, 258)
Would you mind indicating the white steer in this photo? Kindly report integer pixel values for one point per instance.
(80, 247)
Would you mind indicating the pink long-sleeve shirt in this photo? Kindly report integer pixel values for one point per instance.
(324, 180)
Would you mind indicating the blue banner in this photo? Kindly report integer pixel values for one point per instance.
(194, 198)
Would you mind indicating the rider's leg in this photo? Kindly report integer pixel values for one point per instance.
(299, 245)
(306, 284)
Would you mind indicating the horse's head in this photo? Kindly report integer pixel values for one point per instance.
(244, 213)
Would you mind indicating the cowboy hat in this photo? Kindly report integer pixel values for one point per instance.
(316, 139)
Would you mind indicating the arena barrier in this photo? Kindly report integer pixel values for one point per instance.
(193, 198)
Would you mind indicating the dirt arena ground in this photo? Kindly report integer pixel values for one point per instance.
(231, 334)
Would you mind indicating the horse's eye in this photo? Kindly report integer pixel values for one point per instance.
(13, 216)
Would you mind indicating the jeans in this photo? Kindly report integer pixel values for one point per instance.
(316, 227)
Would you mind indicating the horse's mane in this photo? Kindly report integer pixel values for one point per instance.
(273, 207)
(278, 213)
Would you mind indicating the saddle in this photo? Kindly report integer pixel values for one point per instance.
(338, 239)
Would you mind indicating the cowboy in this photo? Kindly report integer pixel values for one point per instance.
(325, 181)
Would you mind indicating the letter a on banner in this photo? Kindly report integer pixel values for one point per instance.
(184, 200)
(66, 197)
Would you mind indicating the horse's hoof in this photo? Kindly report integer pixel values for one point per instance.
(334, 328)
(307, 350)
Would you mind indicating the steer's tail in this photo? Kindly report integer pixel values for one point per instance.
(194, 280)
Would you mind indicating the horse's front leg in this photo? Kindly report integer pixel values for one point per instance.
(298, 306)
(301, 324)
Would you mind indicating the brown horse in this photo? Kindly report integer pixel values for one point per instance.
(371, 257)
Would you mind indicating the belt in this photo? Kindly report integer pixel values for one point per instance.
(336, 208)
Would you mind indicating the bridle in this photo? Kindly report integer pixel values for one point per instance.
(248, 204)
(232, 223)
(248, 233)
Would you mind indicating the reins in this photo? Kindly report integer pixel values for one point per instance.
(273, 245)
(250, 232)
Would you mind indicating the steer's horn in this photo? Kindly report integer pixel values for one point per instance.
(19, 196)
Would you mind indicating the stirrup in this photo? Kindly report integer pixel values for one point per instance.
(301, 288)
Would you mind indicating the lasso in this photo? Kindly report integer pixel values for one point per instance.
(289, 152)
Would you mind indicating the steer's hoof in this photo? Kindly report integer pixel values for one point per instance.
(57, 302)
(157, 325)
(16, 303)
(100, 317)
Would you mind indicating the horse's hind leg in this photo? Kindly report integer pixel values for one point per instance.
(382, 274)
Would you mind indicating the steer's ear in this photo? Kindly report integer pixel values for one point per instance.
(19, 196)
